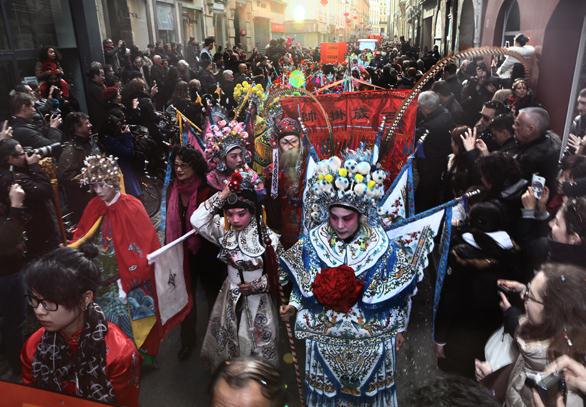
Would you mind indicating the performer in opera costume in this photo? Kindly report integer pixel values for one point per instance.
(243, 320)
(226, 152)
(352, 287)
(77, 351)
(284, 205)
(119, 226)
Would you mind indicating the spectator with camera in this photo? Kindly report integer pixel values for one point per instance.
(553, 324)
(576, 137)
(28, 132)
(78, 130)
(17, 167)
(538, 149)
(117, 140)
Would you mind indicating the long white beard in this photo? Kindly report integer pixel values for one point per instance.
(288, 163)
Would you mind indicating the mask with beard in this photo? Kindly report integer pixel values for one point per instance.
(289, 163)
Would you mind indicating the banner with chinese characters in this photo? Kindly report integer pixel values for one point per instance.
(355, 118)
(332, 52)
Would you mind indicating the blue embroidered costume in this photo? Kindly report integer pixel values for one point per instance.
(350, 357)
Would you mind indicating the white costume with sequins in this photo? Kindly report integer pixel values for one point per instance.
(228, 334)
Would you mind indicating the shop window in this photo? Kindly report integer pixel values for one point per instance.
(37, 23)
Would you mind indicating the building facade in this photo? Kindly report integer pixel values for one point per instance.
(379, 17)
(259, 21)
(28, 25)
(312, 22)
(556, 28)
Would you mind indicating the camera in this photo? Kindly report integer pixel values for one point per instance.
(46, 151)
(545, 385)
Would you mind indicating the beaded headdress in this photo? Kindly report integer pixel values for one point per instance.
(351, 181)
(222, 138)
(100, 169)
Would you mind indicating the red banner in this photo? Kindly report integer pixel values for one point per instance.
(26, 396)
(355, 118)
(278, 27)
(332, 52)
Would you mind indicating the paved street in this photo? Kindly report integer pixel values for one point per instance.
(185, 384)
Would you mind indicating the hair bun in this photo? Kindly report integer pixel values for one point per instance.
(89, 251)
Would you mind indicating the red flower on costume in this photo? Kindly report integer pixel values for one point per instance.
(235, 181)
(337, 288)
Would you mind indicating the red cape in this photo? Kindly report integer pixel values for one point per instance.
(134, 237)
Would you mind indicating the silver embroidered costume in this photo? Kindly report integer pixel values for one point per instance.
(350, 357)
(228, 334)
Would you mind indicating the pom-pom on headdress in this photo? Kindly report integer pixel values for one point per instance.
(223, 137)
(350, 181)
(100, 169)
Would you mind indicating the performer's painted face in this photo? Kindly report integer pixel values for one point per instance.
(344, 221)
(104, 191)
(290, 142)
(183, 171)
(238, 218)
(234, 159)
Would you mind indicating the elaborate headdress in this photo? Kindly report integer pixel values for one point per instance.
(287, 127)
(100, 168)
(223, 137)
(243, 184)
(351, 181)
(246, 93)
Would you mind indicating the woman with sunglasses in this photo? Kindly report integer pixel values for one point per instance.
(77, 351)
(554, 324)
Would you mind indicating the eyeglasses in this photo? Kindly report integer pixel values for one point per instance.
(181, 165)
(528, 297)
(34, 302)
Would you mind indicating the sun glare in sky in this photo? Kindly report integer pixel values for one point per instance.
(299, 12)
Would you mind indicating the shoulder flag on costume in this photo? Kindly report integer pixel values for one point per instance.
(398, 202)
(173, 298)
(416, 237)
(310, 171)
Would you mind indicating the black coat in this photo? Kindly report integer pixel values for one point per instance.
(42, 231)
(541, 157)
(436, 148)
(71, 161)
(12, 249)
(96, 104)
(30, 135)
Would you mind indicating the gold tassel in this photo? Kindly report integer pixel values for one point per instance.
(264, 216)
(226, 223)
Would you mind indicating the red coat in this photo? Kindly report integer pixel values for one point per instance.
(122, 365)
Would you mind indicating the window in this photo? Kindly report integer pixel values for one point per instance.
(512, 23)
(37, 23)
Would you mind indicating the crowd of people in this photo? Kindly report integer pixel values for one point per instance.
(266, 250)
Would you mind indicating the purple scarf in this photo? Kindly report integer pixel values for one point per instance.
(185, 191)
